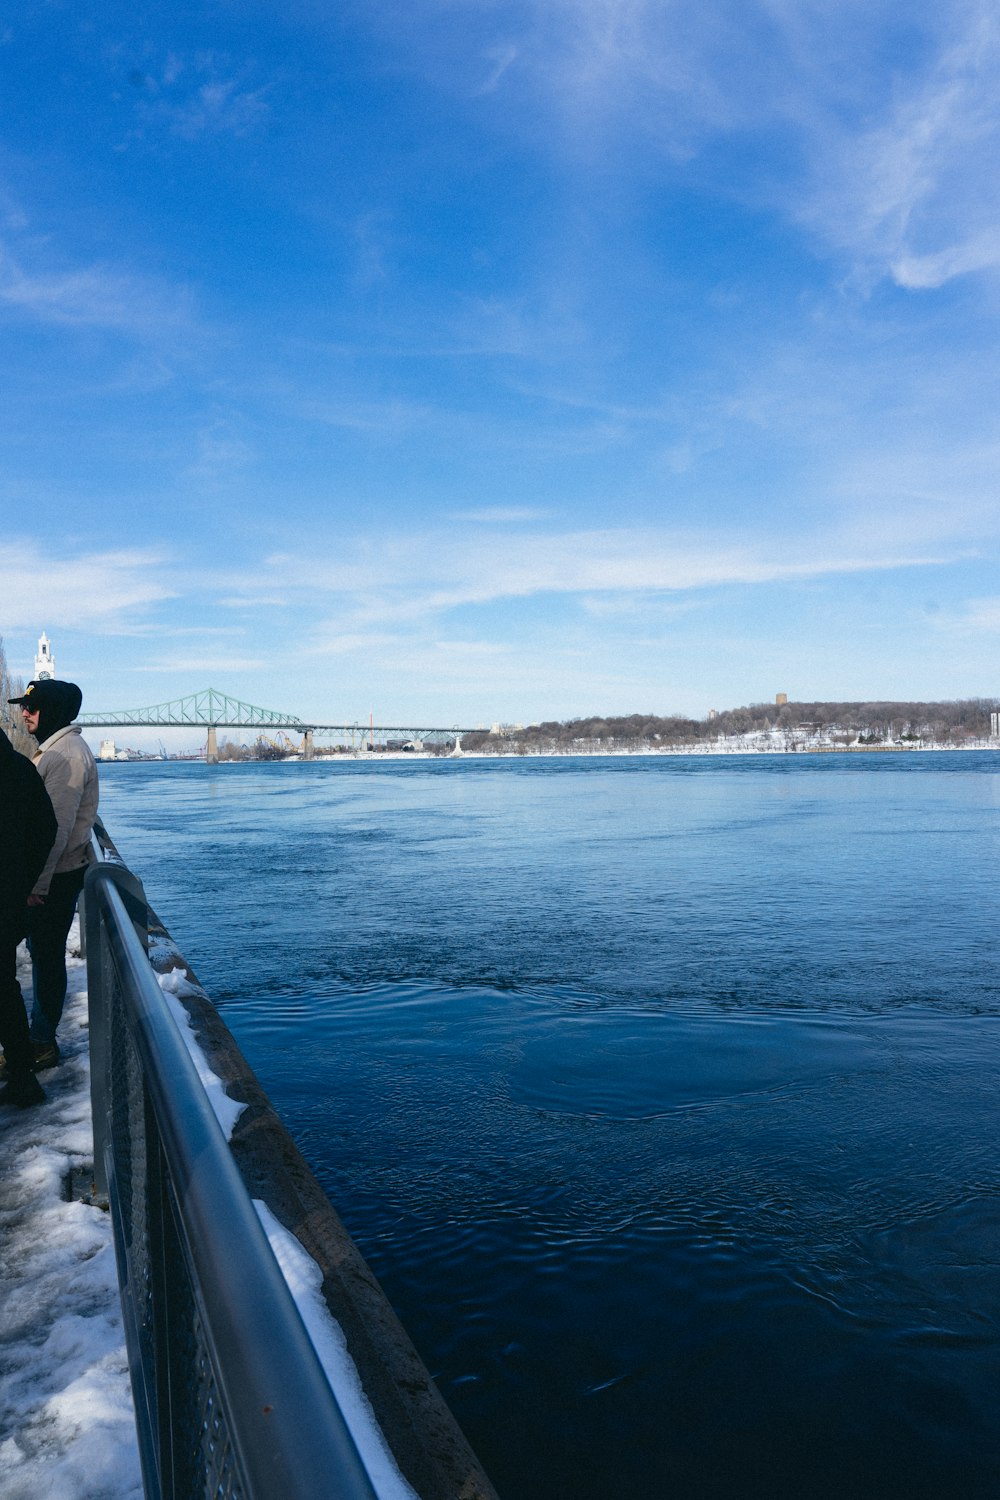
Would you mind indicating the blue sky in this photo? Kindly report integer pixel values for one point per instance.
(475, 361)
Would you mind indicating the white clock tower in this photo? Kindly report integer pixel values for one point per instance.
(45, 665)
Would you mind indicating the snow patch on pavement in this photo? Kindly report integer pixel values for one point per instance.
(66, 1425)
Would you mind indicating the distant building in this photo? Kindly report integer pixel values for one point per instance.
(713, 713)
(45, 662)
(107, 751)
(780, 699)
(995, 725)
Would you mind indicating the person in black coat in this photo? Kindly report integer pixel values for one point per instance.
(27, 833)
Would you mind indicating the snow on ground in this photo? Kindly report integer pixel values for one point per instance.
(66, 1423)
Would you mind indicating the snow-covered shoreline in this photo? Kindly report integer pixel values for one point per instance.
(747, 746)
(726, 749)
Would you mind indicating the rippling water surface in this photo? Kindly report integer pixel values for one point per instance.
(660, 1094)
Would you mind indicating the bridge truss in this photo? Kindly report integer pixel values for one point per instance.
(209, 707)
(213, 710)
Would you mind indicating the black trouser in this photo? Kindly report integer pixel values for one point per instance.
(14, 1037)
(48, 929)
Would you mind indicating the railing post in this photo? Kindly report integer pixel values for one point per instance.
(99, 991)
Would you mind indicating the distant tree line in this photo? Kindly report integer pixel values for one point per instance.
(266, 749)
(261, 749)
(10, 715)
(954, 722)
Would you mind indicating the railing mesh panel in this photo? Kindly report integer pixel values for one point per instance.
(197, 1460)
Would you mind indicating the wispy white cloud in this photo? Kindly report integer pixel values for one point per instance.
(500, 515)
(41, 281)
(220, 107)
(222, 454)
(498, 60)
(638, 606)
(383, 644)
(922, 272)
(105, 592)
(418, 577)
(543, 325)
(199, 94)
(166, 665)
(94, 296)
(371, 240)
(933, 492)
(907, 184)
(975, 617)
(391, 418)
(201, 631)
(874, 128)
(252, 601)
(471, 669)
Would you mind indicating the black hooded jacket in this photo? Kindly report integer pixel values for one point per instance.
(59, 704)
(27, 833)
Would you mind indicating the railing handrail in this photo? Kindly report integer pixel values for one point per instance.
(283, 1417)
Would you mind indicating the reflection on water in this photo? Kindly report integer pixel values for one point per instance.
(660, 1094)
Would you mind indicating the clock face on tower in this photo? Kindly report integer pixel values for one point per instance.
(45, 665)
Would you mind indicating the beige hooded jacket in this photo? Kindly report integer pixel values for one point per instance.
(68, 769)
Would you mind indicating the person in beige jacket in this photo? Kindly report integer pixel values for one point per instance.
(68, 770)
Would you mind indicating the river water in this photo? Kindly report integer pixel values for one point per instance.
(659, 1093)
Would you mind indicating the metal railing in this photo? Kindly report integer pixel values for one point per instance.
(231, 1400)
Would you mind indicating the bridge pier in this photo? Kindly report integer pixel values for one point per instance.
(307, 745)
(212, 748)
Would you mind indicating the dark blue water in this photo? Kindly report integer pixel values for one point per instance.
(660, 1094)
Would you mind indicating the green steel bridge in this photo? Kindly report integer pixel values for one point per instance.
(212, 711)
